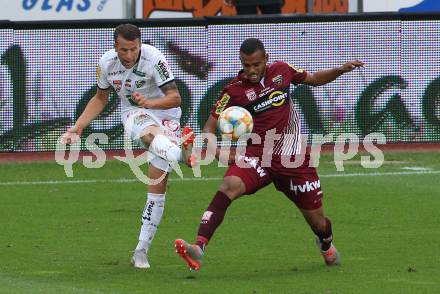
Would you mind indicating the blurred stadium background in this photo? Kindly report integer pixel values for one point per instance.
(49, 52)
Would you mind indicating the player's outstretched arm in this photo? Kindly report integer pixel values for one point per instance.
(95, 106)
(170, 100)
(326, 76)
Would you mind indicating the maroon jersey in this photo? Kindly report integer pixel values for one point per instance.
(270, 105)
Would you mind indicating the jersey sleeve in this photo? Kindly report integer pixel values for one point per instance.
(297, 74)
(101, 75)
(221, 104)
(161, 70)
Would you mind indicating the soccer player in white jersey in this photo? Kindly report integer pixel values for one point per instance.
(150, 100)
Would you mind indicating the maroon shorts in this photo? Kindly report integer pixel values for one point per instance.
(301, 185)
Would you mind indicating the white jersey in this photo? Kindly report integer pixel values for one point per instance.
(150, 73)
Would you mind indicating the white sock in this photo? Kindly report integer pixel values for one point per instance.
(150, 220)
(164, 148)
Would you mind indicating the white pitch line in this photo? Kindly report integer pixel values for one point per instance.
(63, 182)
(379, 174)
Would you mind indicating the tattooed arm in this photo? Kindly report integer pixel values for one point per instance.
(170, 100)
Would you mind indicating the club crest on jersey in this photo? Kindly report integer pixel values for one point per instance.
(117, 85)
(140, 83)
(127, 84)
(278, 79)
(250, 94)
(172, 125)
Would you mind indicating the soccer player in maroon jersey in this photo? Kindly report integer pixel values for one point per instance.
(264, 90)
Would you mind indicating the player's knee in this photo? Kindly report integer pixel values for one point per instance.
(147, 138)
(233, 187)
(148, 134)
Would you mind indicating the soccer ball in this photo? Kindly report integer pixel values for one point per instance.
(234, 122)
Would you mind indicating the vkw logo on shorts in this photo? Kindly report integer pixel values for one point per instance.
(307, 187)
(254, 164)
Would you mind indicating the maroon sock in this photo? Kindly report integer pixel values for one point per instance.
(212, 218)
(326, 236)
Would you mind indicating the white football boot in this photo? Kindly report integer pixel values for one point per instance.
(140, 260)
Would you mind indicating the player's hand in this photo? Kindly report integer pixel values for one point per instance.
(72, 135)
(141, 100)
(228, 2)
(349, 66)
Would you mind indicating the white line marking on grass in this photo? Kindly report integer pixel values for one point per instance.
(380, 174)
(417, 168)
(64, 182)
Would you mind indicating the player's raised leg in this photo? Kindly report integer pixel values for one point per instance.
(158, 143)
(168, 148)
(145, 129)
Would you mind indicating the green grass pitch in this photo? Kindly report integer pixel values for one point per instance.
(78, 237)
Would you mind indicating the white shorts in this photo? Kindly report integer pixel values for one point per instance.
(135, 121)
